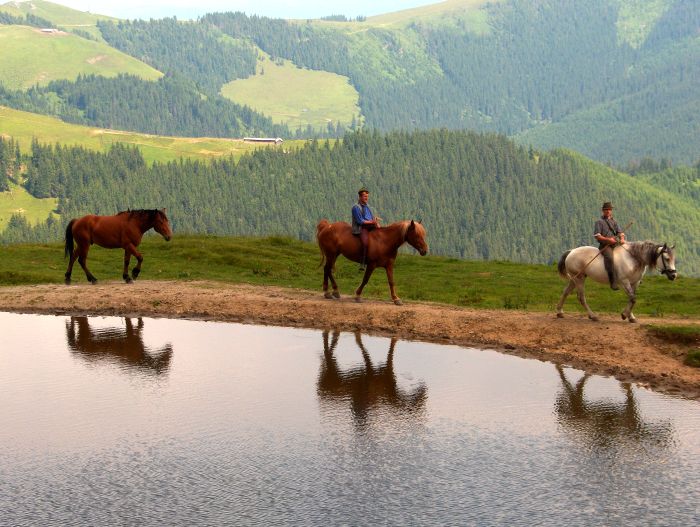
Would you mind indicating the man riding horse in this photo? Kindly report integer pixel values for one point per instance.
(363, 221)
(609, 236)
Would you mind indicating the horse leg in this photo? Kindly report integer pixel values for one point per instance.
(71, 262)
(136, 270)
(82, 251)
(125, 272)
(632, 296)
(567, 290)
(365, 279)
(390, 278)
(328, 275)
(582, 299)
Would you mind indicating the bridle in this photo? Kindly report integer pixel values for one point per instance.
(666, 269)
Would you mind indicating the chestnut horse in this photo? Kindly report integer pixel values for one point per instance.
(336, 238)
(123, 230)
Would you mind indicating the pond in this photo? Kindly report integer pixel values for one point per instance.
(114, 421)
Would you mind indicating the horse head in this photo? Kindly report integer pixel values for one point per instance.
(668, 260)
(415, 236)
(162, 226)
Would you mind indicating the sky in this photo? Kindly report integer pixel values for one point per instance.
(188, 9)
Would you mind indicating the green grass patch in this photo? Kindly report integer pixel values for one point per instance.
(23, 126)
(685, 336)
(19, 201)
(294, 96)
(286, 262)
(449, 12)
(637, 18)
(59, 15)
(30, 57)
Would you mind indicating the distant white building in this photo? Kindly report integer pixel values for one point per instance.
(49, 30)
(272, 140)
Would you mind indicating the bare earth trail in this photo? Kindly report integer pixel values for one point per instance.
(609, 347)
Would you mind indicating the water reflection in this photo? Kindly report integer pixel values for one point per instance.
(605, 423)
(121, 345)
(368, 388)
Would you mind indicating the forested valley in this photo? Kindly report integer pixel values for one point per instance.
(479, 196)
(614, 79)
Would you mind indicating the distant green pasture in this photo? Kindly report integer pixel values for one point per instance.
(19, 201)
(23, 126)
(295, 96)
(469, 12)
(31, 57)
(291, 263)
(59, 15)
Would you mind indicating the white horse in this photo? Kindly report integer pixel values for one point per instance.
(631, 262)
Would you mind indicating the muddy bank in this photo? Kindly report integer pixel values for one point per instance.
(609, 347)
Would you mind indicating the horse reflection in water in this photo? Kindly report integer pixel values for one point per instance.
(370, 389)
(606, 423)
(123, 346)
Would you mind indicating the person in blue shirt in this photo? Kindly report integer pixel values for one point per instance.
(363, 221)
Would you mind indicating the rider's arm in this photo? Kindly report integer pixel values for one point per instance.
(357, 215)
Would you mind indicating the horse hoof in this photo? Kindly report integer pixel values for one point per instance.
(633, 320)
(128, 280)
(135, 273)
(594, 318)
(93, 282)
(336, 294)
(327, 295)
(624, 317)
(67, 281)
(560, 315)
(398, 302)
(358, 299)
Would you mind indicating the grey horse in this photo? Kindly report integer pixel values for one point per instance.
(631, 262)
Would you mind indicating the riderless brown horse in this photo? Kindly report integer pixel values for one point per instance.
(123, 230)
(121, 345)
(336, 238)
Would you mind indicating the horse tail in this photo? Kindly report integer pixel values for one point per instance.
(561, 267)
(69, 239)
(319, 228)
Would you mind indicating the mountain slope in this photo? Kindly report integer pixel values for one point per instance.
(31, 57)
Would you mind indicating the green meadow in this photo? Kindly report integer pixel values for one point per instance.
(61, 16)
(19, 201)
(23, 126)
(291, 263)
(31, 57)
(295, 96)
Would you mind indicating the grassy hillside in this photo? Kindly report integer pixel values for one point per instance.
(291, 263)
(61, 16)
(294, 96)
(31, 57)
(467, 13)
(23, 126)
(19, 201)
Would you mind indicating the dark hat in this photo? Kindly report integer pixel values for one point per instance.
(607, 205)
(363, 189)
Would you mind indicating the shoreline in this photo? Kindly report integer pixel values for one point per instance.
(609, 347)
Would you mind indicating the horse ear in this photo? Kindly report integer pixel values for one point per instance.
(665, 246)
(672, 246)
(659, 249)
(413, 225)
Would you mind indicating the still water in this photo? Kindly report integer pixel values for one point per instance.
(113, 421)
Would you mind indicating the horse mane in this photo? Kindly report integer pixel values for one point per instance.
(644, 252)
(151, 213)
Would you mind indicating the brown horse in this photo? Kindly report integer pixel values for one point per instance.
(123, 230)
(335, 239)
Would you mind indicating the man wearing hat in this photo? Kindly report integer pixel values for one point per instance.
(363, 221)
(609, 236)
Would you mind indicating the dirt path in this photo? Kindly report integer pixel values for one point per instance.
(609, 347)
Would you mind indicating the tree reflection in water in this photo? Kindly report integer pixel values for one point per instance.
(606, 423)
(121, 345)
(370, 389)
